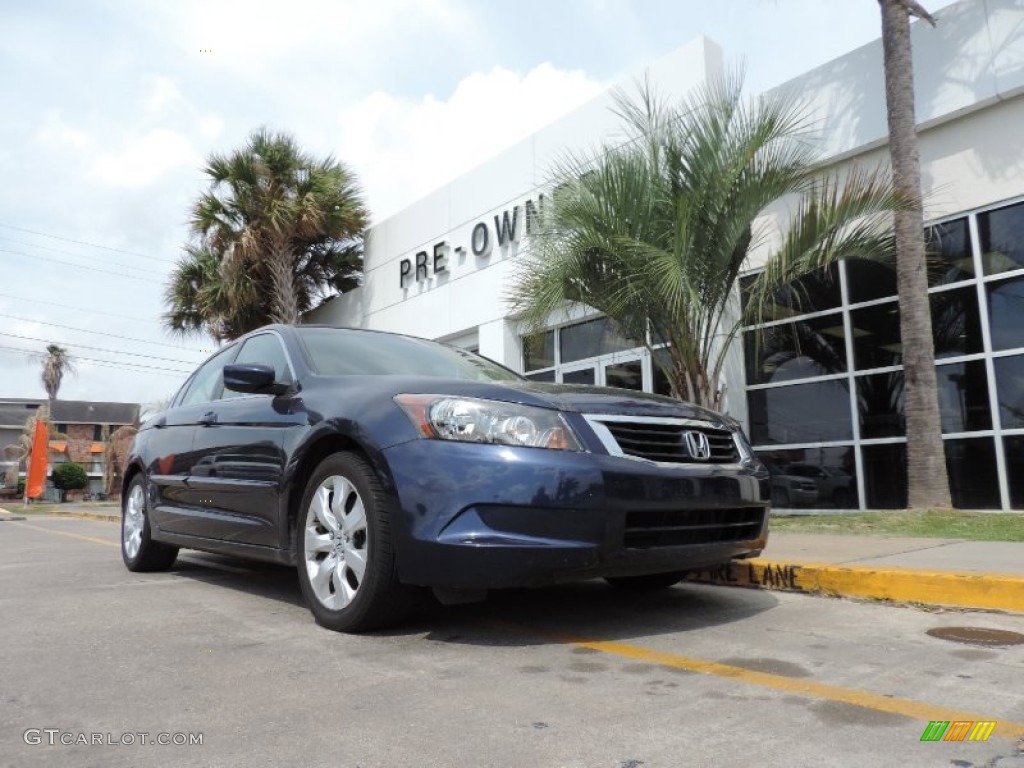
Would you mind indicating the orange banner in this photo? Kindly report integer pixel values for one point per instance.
(37, 463)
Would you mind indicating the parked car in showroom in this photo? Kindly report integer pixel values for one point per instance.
(381, 464)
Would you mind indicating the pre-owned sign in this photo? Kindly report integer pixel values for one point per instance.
(506, 231)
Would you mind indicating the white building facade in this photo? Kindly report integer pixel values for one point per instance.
(829, 423)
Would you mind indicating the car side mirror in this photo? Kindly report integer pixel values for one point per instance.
(253, 378)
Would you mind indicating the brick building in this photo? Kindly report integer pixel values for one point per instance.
(87, 426)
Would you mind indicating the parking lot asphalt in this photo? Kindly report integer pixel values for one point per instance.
(579, 675)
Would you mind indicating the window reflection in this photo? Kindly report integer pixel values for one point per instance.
(800, 413)
(1014, 447)
(539, 351)
(867, 280)
(956, 323)
(948, 246)
(1006, 313)
(880, 405)
(822, 478)
(1002, 238)
(963, 396)
(885, 475)
(582, 376)
(798, 350)
(971, 465)
(624, 375)
(814, 293)
(1010, 389)
(876, 336)
(592, 338)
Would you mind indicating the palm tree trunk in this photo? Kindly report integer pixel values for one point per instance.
(285, 305)
(927, 482)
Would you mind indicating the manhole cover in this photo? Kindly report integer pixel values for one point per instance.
(977, 635)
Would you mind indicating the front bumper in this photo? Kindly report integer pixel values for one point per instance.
(487, 516)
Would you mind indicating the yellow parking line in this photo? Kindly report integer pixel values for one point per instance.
(69, 535)
(896, 706)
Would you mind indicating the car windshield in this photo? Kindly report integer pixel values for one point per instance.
(340, 352)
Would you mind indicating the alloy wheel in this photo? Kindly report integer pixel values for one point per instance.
(134, 521)
(336, 542)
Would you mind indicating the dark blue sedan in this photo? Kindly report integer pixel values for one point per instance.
(381, 464)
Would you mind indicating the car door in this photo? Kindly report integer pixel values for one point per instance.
(235, 481)
(168, 445)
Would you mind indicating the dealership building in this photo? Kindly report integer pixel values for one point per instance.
(821, 396)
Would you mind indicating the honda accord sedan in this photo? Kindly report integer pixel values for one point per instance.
(380, 465)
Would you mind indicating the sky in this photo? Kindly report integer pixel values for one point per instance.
(110, 108)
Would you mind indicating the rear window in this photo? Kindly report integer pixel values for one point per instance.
(338, 352)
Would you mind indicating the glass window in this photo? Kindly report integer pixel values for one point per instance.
(801, 413)
(624, 375)
(207, 382)
(1014, 446)
(539, 351)
(266, 349)
(660, 360)
(956, 324)
(876, 336)
(885, 475)
(592, 338)
(798, 350)
(347, 352)
(867, 280)
(582, 376)
(97, 432)
(1010, 390)
(880, 405)
(963, 396)
(542, 376)
(823, 478)
(1002, 238)
(949, 252)
(1006, 313)
(813, 293)
(973, 481)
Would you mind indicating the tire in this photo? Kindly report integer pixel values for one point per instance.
(648, 583)
(345, 551)
(138, 550)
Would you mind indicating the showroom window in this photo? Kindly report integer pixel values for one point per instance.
(593, 352)
(825, 384)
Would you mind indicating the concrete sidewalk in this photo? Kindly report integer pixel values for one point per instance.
(945, 572)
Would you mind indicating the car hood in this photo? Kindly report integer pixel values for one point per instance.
(608, 400)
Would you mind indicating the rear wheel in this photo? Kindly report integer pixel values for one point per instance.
(648, 583)
(345, 554)
(138, 550)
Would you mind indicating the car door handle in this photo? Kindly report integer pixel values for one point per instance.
(208, 419)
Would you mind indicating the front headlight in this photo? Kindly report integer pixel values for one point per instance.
(472, 420)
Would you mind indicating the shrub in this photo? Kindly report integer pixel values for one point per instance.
(70, 476)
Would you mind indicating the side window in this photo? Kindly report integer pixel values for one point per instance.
(207, 382)
(264, 349)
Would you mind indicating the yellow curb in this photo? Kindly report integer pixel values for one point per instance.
(951, 588)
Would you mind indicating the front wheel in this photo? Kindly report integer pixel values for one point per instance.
(345, 554)
(648, 583)
(138, 550)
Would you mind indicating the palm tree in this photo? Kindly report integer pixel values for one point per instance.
(654, 232)
(199, 302)
(278, 219)
(20, 450)
(56, 363)
(927, 481)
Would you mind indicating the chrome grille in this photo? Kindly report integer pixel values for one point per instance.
(665, 441)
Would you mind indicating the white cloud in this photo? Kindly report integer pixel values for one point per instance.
(145, 159)
(403, 148)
